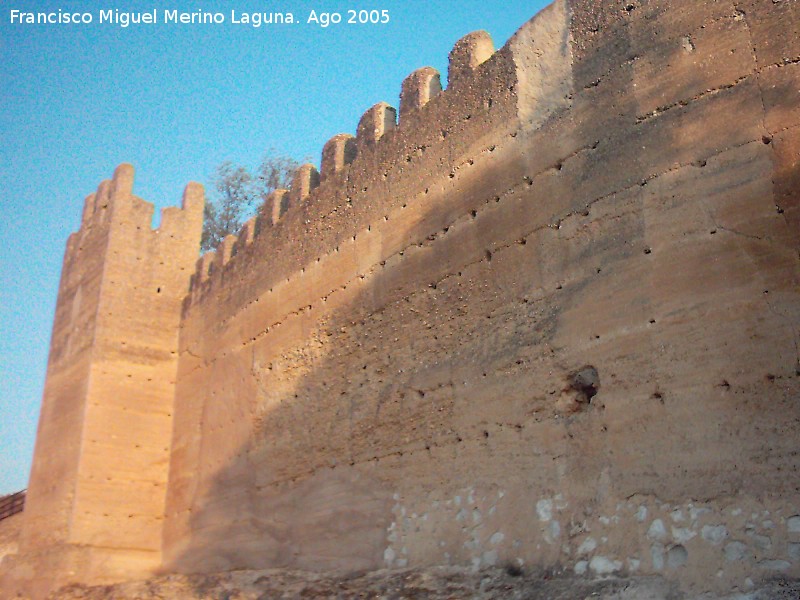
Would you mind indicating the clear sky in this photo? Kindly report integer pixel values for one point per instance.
(175, 101)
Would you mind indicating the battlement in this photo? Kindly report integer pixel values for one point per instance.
(484, 276)
(114, 198)
(358, 173)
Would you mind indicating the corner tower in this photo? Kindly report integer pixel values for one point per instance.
(98, 482)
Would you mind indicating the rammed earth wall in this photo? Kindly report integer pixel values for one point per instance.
(550, 317)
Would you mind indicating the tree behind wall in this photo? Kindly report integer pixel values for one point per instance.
(238, 193)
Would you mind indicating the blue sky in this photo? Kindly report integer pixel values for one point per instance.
(175, 101)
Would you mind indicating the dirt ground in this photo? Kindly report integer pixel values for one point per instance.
(427, 584)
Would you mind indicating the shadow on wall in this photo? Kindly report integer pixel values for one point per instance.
(634, 234)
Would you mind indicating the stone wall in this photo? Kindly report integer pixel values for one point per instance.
(548, 318)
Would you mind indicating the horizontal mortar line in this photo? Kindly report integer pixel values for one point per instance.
(699, 97)
(432, 237)
(121, 549)
(637, 57)
(470, 161)
(782, 130)
(369, 273)
(510, 191)
(597, 81)
(445, 440)
(779, 65)
(489, 149)
(559, 220)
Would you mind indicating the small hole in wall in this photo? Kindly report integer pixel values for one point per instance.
(488, 256)
(585, 382)
(513, 570)
(766, 139)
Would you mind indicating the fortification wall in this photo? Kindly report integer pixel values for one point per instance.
(95, 502)
(548, 319)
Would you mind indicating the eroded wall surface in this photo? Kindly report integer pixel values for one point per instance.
(549, 318)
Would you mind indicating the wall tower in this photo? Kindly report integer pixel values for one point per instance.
(98, 482)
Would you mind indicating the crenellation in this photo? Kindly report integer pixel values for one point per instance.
(418, 89)
(247, 233)
(88, 210)
(122, 183)
(170, 220)
(103, 198)
(306, 180)
(133, 210)
(375, 123)
(224, 252)
(380, 159)
(204, 266)
(277, 204)
(176, 221)
(467, 54)
(491, 282)
(193, 198)
(338, 152)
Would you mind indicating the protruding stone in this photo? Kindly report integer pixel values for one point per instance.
(338, 152)
(468, 53)
(418, 89)
(602, 565)
(376, 122)
(305, 179)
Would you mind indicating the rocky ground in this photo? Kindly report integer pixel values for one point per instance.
(428, 584)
